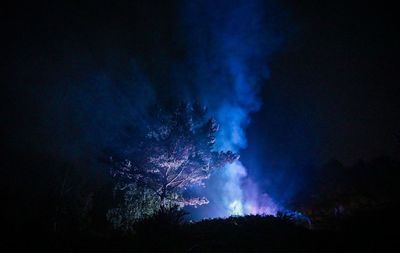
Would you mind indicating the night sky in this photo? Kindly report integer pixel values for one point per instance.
(334, 89)
(77, 73)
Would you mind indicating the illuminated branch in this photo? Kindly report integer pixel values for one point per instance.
(176, 152)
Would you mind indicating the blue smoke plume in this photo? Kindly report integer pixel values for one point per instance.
(231, 43)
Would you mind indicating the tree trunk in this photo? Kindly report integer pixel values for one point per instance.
(163, 197)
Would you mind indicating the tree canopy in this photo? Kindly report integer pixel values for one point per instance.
(175, 152)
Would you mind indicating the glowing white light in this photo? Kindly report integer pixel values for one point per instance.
(236, 208)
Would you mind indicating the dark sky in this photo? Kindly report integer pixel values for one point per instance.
(334, 88)
(333, 91)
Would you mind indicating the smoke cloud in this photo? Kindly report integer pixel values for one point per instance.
(231, 43)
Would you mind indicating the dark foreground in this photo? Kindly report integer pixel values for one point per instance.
(372, 231)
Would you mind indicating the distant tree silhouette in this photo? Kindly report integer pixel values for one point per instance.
(339, 191)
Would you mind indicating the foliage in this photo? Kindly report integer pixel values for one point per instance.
(338, 190)
(164, 220)
(138, 202)
(34, 186)
(175, 152)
